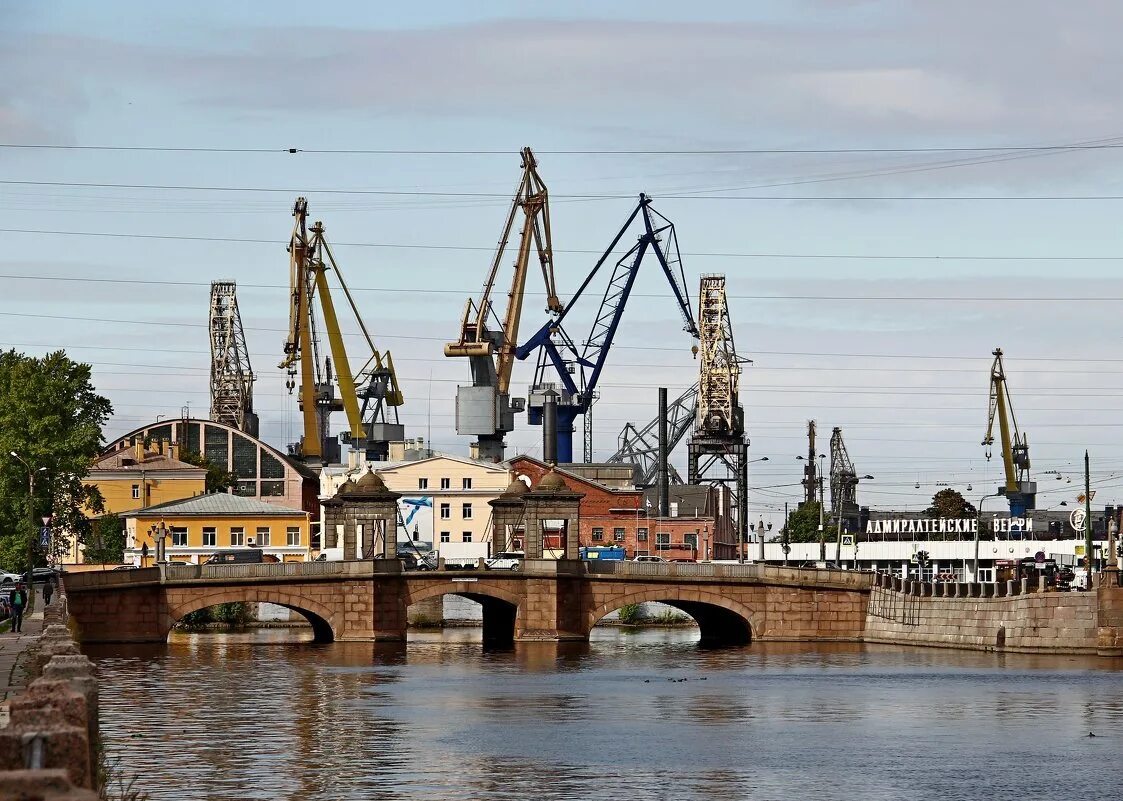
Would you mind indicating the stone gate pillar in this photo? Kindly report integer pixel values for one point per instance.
(375, 512)
(552, 501)
(508, 512)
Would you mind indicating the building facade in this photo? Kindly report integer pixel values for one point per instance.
(197, 527)
(264, 473)
(132, 478)
(443, 503)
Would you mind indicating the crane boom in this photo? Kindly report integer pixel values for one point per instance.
(640, 446)
(1018, 489)
(486, 409)
(559, 353)
(309, 257)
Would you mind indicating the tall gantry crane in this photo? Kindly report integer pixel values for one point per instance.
(231, 374)
(370, 397)
(560, 355)
(811, 469)
(640, 446)
(844, 484)
(486, 408)
(718, 451)
(1020, 492)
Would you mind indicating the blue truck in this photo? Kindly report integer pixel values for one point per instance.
(602, 553)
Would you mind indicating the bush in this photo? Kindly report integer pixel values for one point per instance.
(670, 617)
(232, 614)
(629, 614)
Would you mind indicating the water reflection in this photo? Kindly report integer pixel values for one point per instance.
(628, 715)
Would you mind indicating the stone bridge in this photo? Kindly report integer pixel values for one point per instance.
(544, 600)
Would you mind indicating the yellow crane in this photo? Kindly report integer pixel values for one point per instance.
(370, 397)
(485, 409)
(1018, 489)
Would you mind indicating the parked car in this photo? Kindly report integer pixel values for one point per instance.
(42, 574)
(236, 556)
(9, 579)
(506, 560)
(649, 559)
(126, 567)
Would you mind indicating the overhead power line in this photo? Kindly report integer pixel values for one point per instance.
(491, 248)
(567, 152)
(506, 196)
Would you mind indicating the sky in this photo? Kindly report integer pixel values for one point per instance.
(868, 176)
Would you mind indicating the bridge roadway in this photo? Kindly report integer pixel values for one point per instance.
(544, 600)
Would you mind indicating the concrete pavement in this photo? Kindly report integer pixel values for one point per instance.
(13, 676)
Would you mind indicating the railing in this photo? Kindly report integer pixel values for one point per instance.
(759, 572)
(264, 570)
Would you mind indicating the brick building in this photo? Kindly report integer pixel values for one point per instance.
(697, 529)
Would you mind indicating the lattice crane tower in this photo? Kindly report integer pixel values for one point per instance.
(718, 451)
(231, 374)
(844, 484)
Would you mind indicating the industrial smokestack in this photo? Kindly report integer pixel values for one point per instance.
(550, 427)
(663, 473)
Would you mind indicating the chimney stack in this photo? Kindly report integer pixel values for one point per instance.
(550, 427)
(663, 474)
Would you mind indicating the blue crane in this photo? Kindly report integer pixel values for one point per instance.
(578, 368)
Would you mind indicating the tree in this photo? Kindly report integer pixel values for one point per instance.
(803, 524)
(51, 416)
(950, 503)
(219, 479)
(106, 545)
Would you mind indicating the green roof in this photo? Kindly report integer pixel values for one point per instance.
(215, 504)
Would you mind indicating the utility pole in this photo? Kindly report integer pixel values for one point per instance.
(822, 531)
(31, 471)
(784, 546)
(1088, 519)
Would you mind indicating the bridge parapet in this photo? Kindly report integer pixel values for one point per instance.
(749, 573)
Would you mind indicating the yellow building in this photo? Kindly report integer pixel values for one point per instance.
(197, 527)
(136, 477)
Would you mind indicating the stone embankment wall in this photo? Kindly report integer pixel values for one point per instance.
(1015, 616)
(49, 734)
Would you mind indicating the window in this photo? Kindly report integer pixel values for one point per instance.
(691, 540)
(248, 489)
(641, 534)
(446, 511)
(662, 541)
(467, 483)
(179, 537)
(598, 534)
(270, 467)
(292, 535)
(446, 483)
(263, 536)
(269, 489)
(423, 483)
(210, 537)
(237, 536)
(466, 536)
(466, 511)
(136, 490)
(617, 535)
(446, 536)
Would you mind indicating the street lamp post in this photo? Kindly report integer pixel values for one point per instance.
(31, 473)
(979, 525)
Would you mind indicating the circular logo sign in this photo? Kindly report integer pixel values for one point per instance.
(1076, 519)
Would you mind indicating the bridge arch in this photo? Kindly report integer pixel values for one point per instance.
(722, 621)
(320, 617)
(500, 607)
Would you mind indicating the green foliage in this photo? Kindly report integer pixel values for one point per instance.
(803, 524)
(52, 417)
(630, 614)
(232, 614)
(669, 617)
(949, 503)
(106, 543)
(198, 618)
(219, 479)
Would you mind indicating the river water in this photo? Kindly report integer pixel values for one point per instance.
(630, 715)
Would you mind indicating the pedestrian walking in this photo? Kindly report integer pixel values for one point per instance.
(18, 600)
(48, 591)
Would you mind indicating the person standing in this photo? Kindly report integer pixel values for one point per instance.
(18, 600)
(48, 591)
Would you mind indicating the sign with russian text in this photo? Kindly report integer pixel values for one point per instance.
(948, 525)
